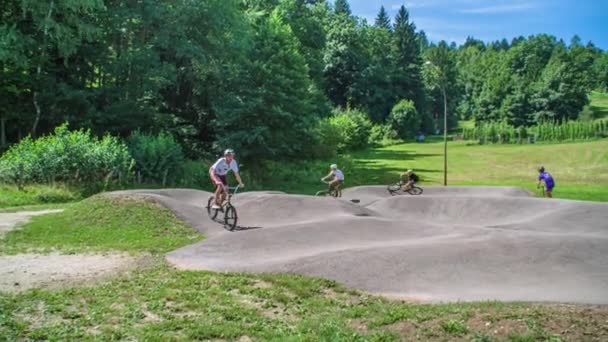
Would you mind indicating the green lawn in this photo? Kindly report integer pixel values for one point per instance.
(101, 224)
(40, 195)
(580, 169)
(599, 105)
(163, 304)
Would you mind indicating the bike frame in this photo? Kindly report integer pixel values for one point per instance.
(229, 193)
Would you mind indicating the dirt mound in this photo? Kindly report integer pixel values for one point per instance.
(455, 243)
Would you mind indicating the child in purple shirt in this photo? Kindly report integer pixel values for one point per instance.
(547, 179)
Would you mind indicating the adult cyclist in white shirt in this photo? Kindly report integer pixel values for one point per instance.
(218, 172)
(335, 176)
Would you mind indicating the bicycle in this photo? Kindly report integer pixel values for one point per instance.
(397, 189)
(335, 192)
(230, 216)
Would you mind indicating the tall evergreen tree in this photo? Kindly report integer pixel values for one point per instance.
(342, 7)
(383, 20)
(406, 53)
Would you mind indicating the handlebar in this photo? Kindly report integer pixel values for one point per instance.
(234, 189)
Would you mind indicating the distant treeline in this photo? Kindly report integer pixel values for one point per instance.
(261, 76)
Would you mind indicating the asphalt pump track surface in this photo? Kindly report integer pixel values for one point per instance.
(449, 244)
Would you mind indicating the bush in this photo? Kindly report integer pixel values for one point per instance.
(158, 158)
(405, 119)
(196, 174)
(74, 157)
(327, 138)
(353, 128)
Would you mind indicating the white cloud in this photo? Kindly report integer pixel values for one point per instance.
(418, 4)
(518, 7)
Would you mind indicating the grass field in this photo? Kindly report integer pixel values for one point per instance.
(580, 169)
(39, 195)
(160, 303)
(599, 105)
(101, 224)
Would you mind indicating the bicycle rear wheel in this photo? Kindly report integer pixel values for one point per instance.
(230, 217)
(415, 191)
(395, 189)
(210, 211)
(336, 193)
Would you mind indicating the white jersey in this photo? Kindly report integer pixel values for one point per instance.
(339, 175)
(221, 167)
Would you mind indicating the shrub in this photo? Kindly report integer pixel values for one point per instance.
(353, 128)
(74, 157)
(327, 138)
(196, 174)
(158, 158)
(405, 119)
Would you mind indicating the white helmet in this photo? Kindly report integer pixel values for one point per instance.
(229, 152)
(333, 166)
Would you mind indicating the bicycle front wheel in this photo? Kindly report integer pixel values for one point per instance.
(415, 191)
(230, 217)
(210, 211)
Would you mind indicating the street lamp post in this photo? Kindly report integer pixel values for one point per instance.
(445, 137)
(440, 80)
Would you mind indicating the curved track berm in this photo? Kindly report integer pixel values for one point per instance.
(451, 244)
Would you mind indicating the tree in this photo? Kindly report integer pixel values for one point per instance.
(271, 116)
(374, 89)
(342, 7)
(383, 20)
(41, 37)
(440, 78)
(600, 70)
(407, 79)
(344, 59)
(306, 22)
(405, 119)
(560, 94)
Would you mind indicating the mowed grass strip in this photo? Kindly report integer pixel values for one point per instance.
(101, 224)
(599, 105)
(170, 305)
(580, 169)
(40, 195)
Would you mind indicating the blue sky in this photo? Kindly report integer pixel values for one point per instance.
(488, 20)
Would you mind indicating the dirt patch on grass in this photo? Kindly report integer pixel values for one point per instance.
(10, 221)
(542, 321)
(25, 271)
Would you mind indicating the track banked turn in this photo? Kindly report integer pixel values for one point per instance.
(450, 244)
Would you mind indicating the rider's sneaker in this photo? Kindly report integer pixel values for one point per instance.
(216, 207)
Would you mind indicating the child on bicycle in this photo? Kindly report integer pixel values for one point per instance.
(335, 176)
(218, 172)
(408, 179)
(546, 177)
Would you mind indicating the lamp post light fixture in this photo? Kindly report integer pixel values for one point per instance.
(441, 83)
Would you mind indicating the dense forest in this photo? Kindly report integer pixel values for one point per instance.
(270, 78)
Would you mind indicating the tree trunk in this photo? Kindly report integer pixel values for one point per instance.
(39, 69)
(3, 133)
(38, 111)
